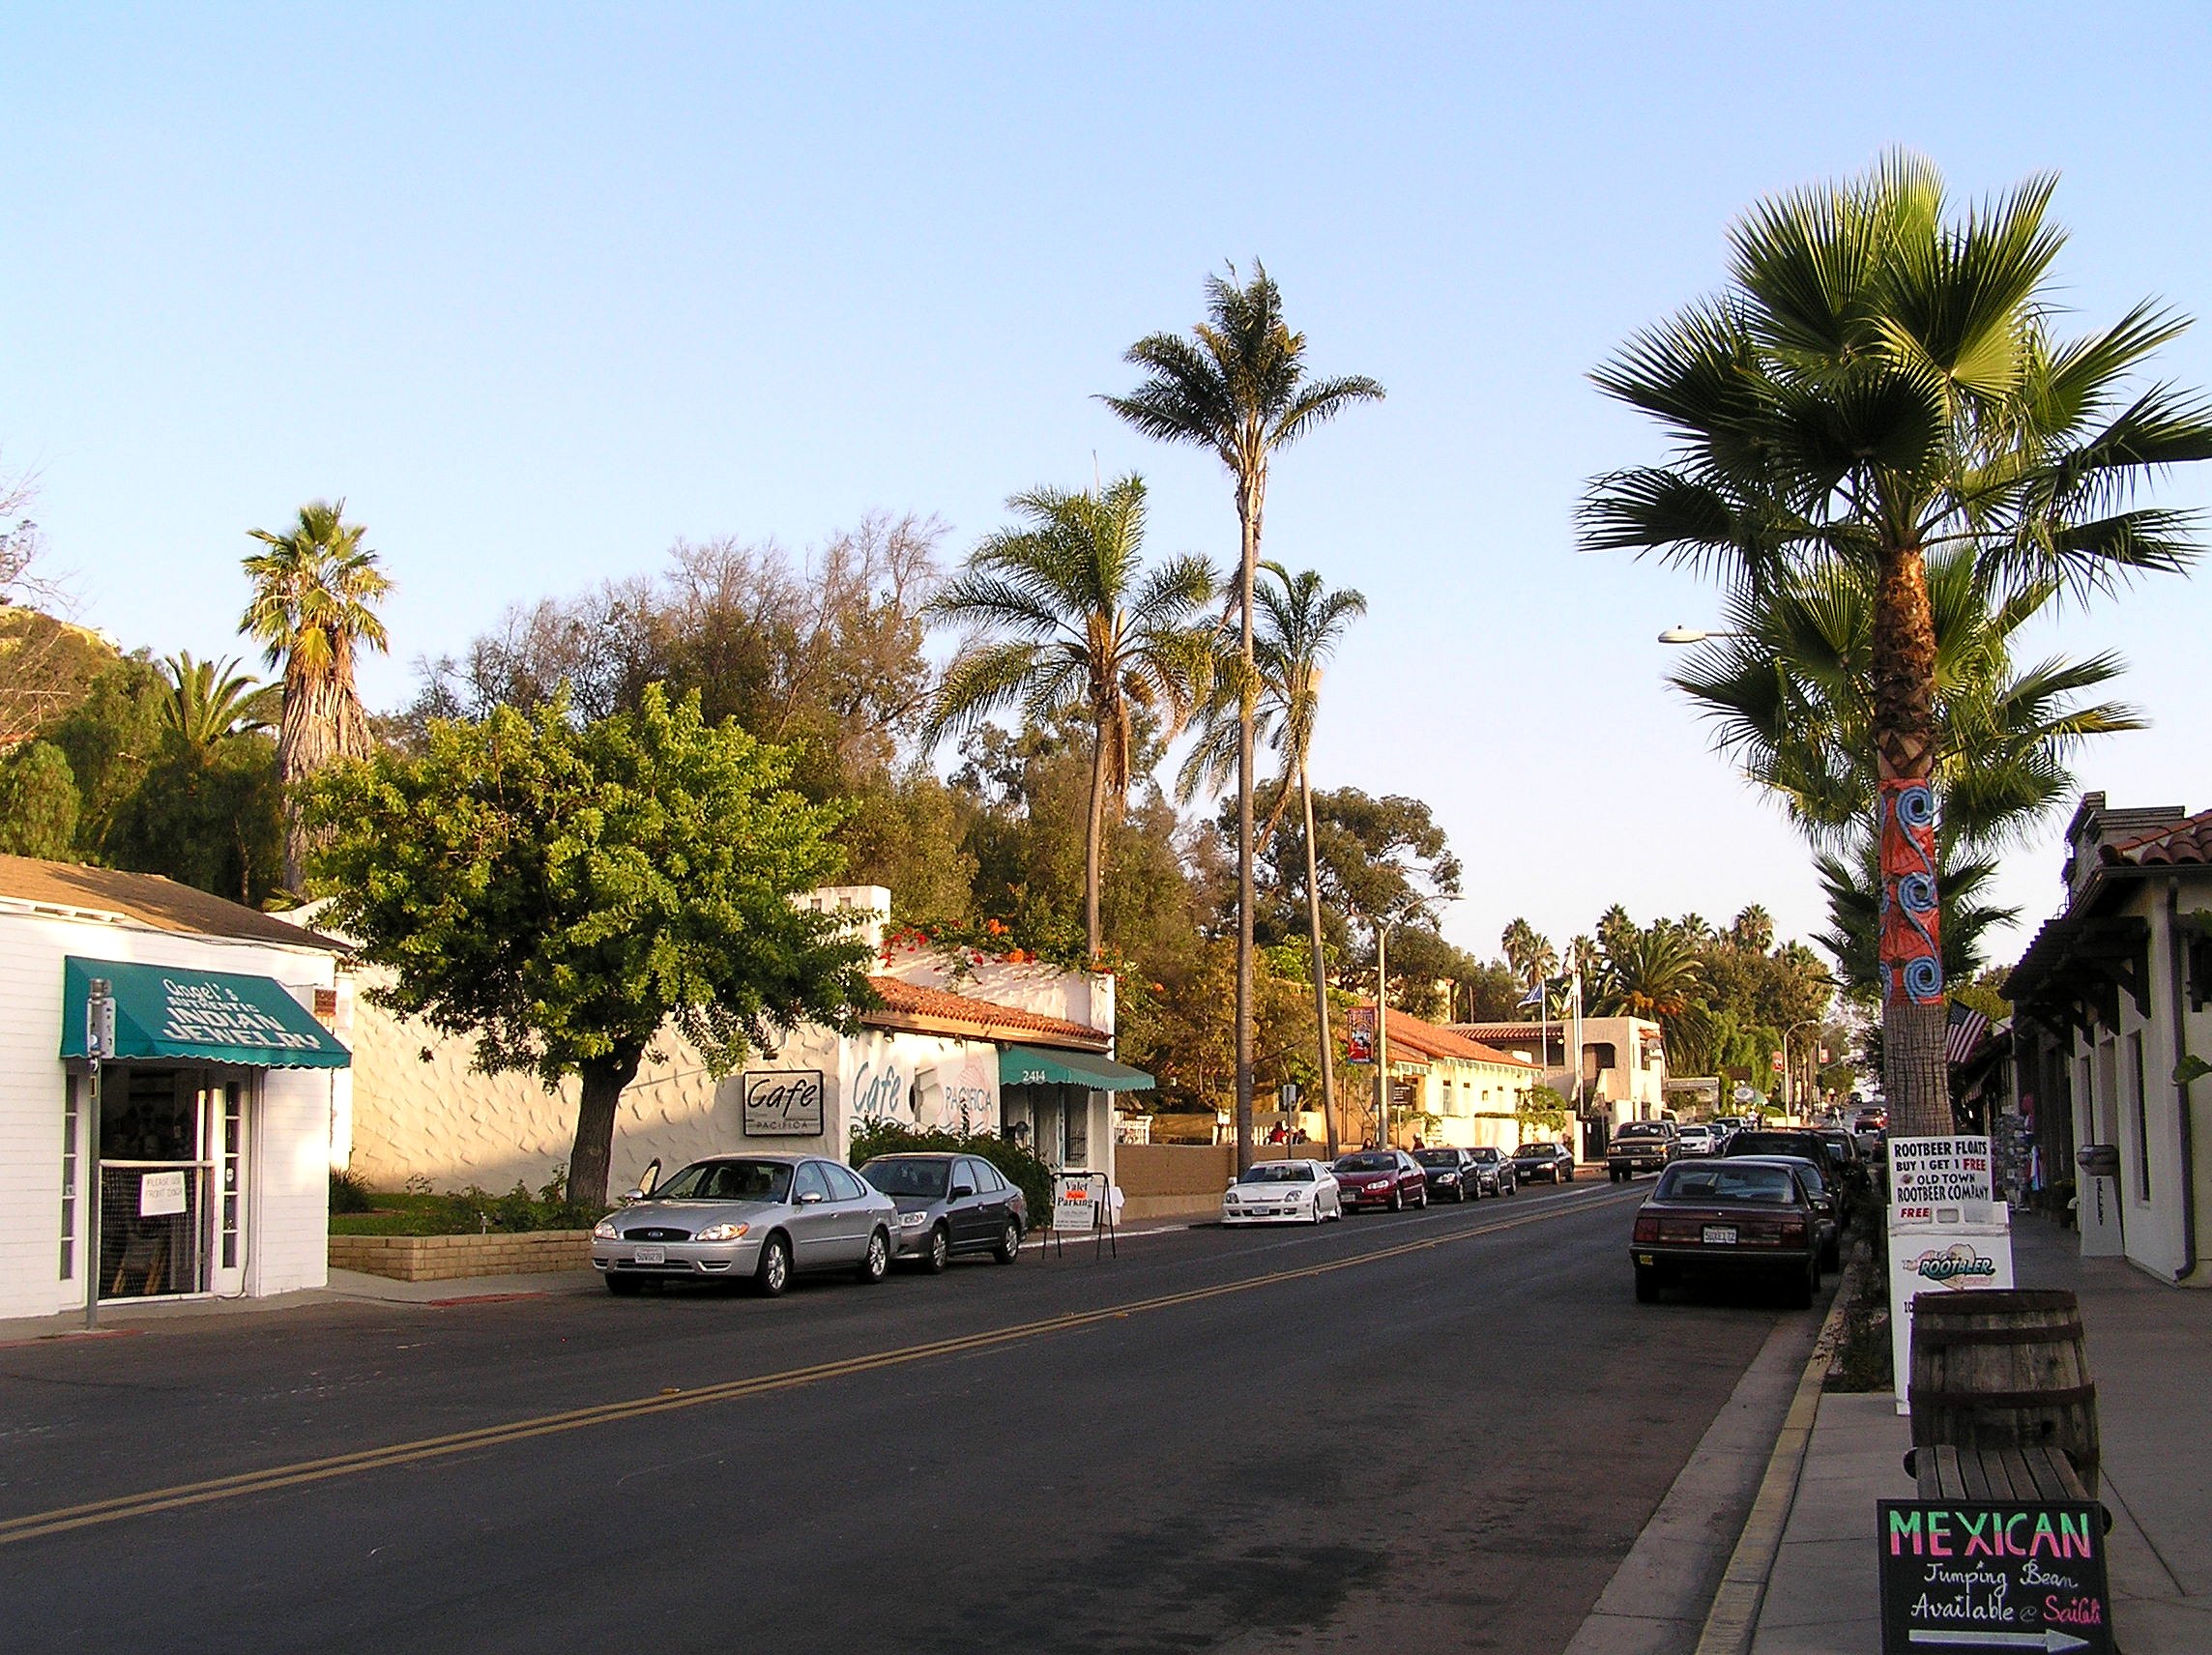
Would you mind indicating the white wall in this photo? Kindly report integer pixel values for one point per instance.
(287, 1213)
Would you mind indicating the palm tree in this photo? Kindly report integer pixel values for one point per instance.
(1301, 625)
(1238, 387)
(211, 702)
(1529, 952)
(1064, 617)
(1652, 973)
(1881, 382)
(315, 590)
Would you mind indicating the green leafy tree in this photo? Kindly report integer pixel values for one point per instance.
(1064, 615)
(1238, 387)
(212, 818)
(313, 609)
(564, 893)
(1301, 622)
(37, 802)
(1881, 382)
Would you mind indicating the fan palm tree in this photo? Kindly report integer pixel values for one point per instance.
(1529, 952)
(1238, 386)
(1301, 622)
(1064, 615)
(1881, 382)
(1652, 973)
(211, 702)
(315, 590)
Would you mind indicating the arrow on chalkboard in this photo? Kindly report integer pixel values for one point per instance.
(2050, 1638)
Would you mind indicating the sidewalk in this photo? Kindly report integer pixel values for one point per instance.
(2150, 1350)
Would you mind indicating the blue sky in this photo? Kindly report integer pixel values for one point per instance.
(539, 291)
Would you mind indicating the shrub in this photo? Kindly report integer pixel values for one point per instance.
(1022, 1168)
(350, 1194)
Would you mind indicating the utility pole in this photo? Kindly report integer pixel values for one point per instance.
(1382, 1033)
(99, 1043)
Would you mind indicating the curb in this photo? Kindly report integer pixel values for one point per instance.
(1734, 1618)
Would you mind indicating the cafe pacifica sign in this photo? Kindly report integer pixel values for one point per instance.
(1993, 1575)
(210, 1014)
(784, 1103)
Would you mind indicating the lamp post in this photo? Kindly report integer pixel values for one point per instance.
(1695, 635)
(1382, 1033)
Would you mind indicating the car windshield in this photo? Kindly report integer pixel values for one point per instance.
(1638, 1130)
(1280, 1173)
(1485, 1154)
(1727, 1182)
(1374, 1161)
(1437, 1157)
(1534, 1149)
(926, 1179)
(728, 1180)
(1771, 1143)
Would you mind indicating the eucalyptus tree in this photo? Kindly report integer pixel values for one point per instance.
(1301, 625)
(1881, 381)
(1238, 386)
(313, 608)
(1061, 616)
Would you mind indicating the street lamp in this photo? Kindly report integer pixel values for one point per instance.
(1693, 635)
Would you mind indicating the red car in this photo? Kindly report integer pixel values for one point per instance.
(1380, 1178)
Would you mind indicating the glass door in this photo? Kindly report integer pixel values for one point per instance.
(154, 1176)
(223, 1110)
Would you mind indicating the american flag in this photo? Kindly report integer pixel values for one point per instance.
(1963, 1033)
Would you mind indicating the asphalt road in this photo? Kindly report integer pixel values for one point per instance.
(1430, 1431)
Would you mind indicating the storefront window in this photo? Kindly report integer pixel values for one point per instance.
(72, 1092)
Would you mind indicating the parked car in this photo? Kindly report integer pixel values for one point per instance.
(1697, 1139)
(1552, 1162)
(1450, 1174)
(1872, 1117)
(734, 1217)
(1639, 1146)
(1380, 1178)
(1778, 1141)
(950, 1204)
(1494, 1172)
(1827, 1196)
(1283, 1192)
(1728, 1218)
(1848, 1156)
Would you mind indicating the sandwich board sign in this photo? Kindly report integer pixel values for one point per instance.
(1947, 1232)
(1996, 1576)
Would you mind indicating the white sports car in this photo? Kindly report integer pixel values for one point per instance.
(1283, 1192)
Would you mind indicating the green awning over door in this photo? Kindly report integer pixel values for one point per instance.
(1033, 1065)
(215, 1017)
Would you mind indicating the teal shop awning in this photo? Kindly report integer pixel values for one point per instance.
(215, 1017)
(1033, 1066)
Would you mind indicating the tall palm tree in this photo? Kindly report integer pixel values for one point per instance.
(1529, 952)
(1879, 383)
(1238, 386)
(315, 592)
(1654, 973)
(1064, 615)
(1301, 625)
(211, 702)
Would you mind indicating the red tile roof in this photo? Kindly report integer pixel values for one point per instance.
(2187, 842)
(907, 1004)
(1430, 1041)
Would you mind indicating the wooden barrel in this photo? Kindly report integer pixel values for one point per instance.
(2003, 1368)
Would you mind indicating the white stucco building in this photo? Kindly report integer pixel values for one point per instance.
(213, 1115)
(1623, 1067)
(966, 1042)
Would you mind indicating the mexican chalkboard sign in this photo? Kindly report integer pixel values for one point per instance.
(2000, 1576)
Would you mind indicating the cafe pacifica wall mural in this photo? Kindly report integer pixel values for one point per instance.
(832, 1088)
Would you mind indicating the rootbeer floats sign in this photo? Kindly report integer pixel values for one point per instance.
(1947, 1231)
(1996, 1576)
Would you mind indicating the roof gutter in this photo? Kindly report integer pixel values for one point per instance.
(924, 1023)
(2177, 967)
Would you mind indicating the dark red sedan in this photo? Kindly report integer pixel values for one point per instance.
(1387, 1178)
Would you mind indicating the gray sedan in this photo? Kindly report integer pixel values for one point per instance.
(735, 1218)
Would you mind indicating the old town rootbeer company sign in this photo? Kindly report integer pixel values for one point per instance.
(1994, 1577)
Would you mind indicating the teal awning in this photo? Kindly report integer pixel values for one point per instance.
(218, 1017)
(1033, 1065)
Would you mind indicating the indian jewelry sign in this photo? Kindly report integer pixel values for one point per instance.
(784, 1103)
(212, 1014)
(1995, 1576)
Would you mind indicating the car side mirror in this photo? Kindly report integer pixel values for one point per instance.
(648, 1180)
(961, 1190)
(810, 1198)
(628, 1196)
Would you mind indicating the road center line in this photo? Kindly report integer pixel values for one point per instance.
(35, 1525)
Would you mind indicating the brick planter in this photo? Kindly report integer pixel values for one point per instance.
(443, 1258)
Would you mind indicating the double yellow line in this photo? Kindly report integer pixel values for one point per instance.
(35, 1525)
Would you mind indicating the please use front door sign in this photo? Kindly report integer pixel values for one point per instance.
(784, 1103)
(1997, 1576)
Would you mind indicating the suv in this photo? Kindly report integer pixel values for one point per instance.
(1640, 1147)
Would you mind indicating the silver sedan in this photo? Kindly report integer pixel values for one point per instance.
(1283, 1192)
(736, 1217)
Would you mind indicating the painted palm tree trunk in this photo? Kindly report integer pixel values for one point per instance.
(1910, 948)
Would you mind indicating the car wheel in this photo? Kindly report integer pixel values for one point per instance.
(1009, 1247)
(1802, 1286)
(1647, 1285)
(876, 1262)
(940, 1252)
(773, 1273)
(623, 1285)
(1315, 1220)
(1566, 1174)
(1460, 1195)
(1397, 1199)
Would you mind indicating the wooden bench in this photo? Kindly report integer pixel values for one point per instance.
(2040, 1473)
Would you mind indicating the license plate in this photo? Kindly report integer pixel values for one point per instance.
(659, 1255)
(1720, 1235)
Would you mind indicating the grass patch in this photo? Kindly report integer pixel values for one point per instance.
(471, 1212)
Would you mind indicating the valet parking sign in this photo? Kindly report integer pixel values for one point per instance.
(1947, 1231)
